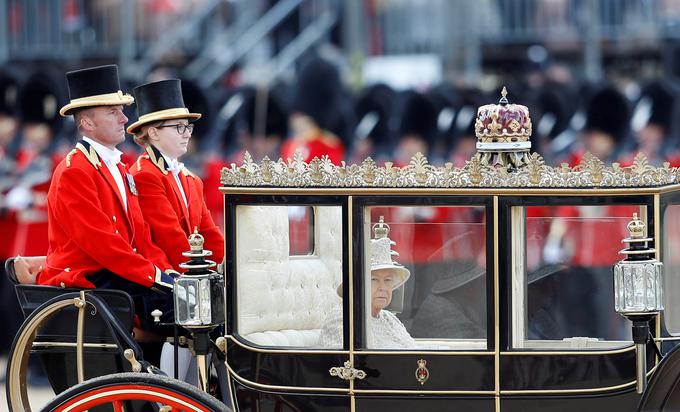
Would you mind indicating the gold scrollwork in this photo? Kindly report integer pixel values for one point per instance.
(347, 372)
(477, 173)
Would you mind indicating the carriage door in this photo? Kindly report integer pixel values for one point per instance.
(566, 344)
(423, 317)
(287, 256)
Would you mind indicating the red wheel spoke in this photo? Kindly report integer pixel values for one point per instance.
(117, 406)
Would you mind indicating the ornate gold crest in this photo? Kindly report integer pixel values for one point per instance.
(592, 172)
(422, 373)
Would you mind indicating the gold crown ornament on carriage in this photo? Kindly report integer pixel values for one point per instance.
(503, 133)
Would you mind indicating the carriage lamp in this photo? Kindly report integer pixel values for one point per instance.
(638, 291)
(199, 292)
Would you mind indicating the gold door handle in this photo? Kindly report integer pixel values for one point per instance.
(347, 372)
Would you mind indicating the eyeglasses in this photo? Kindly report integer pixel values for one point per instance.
(181, 128)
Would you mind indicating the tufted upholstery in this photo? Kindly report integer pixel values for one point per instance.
(282, 300)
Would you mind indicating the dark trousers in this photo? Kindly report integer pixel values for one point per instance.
(145, 300)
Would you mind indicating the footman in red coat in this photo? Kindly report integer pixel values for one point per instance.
(97, 234)
(170, 195)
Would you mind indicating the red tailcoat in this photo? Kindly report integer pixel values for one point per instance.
(89, 228)
(170, 221)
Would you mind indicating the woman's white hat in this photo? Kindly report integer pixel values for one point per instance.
(381, 255)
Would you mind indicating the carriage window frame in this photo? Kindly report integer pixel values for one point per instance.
(313, 235)
(232, 202)
(670, 299)
(361, 209)
(514, 245)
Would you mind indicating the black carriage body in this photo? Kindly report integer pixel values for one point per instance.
(504, 372)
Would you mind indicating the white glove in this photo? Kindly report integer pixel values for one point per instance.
(19, 198)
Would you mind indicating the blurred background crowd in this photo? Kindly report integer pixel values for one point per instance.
(348, 79)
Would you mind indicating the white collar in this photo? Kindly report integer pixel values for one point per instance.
(174, 165)
(109, 156)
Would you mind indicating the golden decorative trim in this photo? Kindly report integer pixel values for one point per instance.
(80, 303)
(90, 154)
(322, 173)
(657, 255)
(347, 372)
(420, 392)
(417, 192)
(167, 114)
(106, 99)
(282, 388)
(574, 352)
(18, 363)
(442, 352)
(574, 391)
(496, 304)
(68, 157)
(73, 345)
(350, 275)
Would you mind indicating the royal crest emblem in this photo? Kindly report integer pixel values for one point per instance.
(422, 374)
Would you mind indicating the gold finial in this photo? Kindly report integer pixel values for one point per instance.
(381, 229)
(196, 240)
(636, 227)
(504, 96)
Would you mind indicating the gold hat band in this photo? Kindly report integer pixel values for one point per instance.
(162, 113)
(106, 99)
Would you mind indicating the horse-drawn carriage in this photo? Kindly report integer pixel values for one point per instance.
(509, 303)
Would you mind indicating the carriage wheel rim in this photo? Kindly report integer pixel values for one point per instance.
(114, 394)
(17, 391)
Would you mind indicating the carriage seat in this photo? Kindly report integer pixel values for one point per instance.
(282, 300)
(55, 342)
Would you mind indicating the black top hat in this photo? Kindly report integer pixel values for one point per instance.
(158, 101)
(94, 86)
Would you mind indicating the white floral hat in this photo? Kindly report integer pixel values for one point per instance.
(381, 255)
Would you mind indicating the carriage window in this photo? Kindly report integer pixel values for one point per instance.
(562, 279)
(425, 277)
(671, 262)
(301, 230)
(284, 300)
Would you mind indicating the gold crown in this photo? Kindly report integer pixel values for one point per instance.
(381, 229)
(503, 122)
(636, 227)
(196, 241)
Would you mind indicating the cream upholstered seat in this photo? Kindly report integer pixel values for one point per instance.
(283, 299)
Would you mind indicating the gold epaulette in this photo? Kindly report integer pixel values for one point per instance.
(68, 157)
(139, 161)
(187, 172)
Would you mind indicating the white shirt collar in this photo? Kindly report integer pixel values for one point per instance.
(174, 165)
(110, 156)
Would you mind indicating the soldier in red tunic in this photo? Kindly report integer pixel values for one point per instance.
(97, 234)
(316, 116)
(36, 160)
(170, 195)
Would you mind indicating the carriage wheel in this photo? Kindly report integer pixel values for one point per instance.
(115, 390)
(17, 365)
